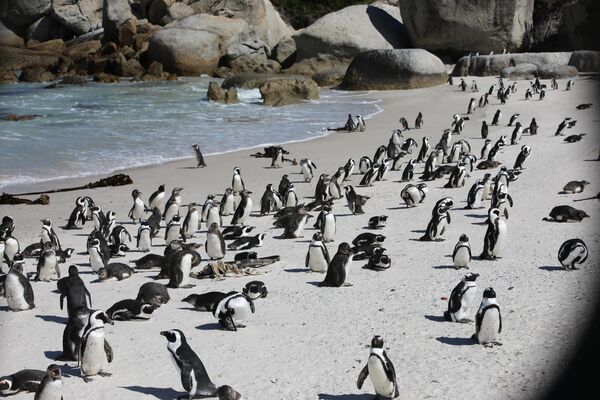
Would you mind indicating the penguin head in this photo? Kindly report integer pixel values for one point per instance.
(463, 238)
(379, 238)
(226, 392)
(73, 271)
(136, 193)
(237, 171)
(213, 228)
(5, 383)
(80, 201)
(255, 290)
(489, 293)
(102, 274)
(470, 276)
(317, 236)
(247, 229)
(156, 212)
(174, 336)
(161, 188)
(344, 248)
(146, 310)
(195, 146)
(47, 222)
(98, 318)
(144, 222)
(53, 371)
(377, 342)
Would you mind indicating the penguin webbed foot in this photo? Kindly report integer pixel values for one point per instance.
(465, 321)
(87, 379)
(104, 374)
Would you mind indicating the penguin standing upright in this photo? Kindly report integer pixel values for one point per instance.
(419, 121)
(227, 206)
(47, 267)
(190, 222)
(267, 201)
(307, 168)
(172, 205)
(213, 216)
(475, 195)
(424, 150)
(283, 185)
(471, 106)
(237, 183)
(496, 118)
(291, 198)
(94, 349)
(180, 266)
(495, 236)
(364, 164)
(348, 169)
(48, 235)
(73, 289)
(144, 237)
(215, 244)
(243, 209)
(462, 252)
(193, 375)
(328, 226)
(17, 289)
(137, 209)
(409, 171)
(523, 155)
(461, 299)
(516, 134)
(440, 218)
(488, 320)
(98, 258)
(157, 199)
(337, 270)
(317, 257)
(50, 387)
(78, 217)
(355, 201)
(199, 156)
(381, 371)
(277, 159)
(173, 230)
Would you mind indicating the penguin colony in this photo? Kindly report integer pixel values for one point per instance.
(196, 233)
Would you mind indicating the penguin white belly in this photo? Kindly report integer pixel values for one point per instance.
(51, 391)
(144, 242)
(291, 200)
(171, 212)
(237, 184)
(298, 232)
(96, 220)
(329, 228)
(48, 268)
(241, 310)
(347, 268)
(316, 260)
(137, 212)
(158, 201)
(306, 173)
(213, 217)
(488, 331)
(466, 304)
(498, 249)
(228, 207)
(11, 247)
(93, 358)
(573, 254)
(414, 197)
(213, 246)
(15, 293)
(334, 190)
(186, 267)
(172, 234)
(95, 260)
(382, 385)
(192, 225)
(46, 236)
(461, 259)
(441, 226)
(479, 197)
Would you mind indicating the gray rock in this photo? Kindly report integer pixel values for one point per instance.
(521, 71)
(585, 60)
(353, 30)
(44, 29)
(284, 91)
(457, 27)
(394, 69)
(331, 77)
(285, 52)
(35, 74)
(323, 63)
(179, 11)
(7, 77)
(114, 14)
(250, 80)
(14, 58)
(185, 51)
(215, 92)
(23, 12)
(82, 50)
(229, 30)
(79, 17)
(494, 64)
(556, 71)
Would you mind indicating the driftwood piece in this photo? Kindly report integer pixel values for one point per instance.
(114, 180)
(12, 200)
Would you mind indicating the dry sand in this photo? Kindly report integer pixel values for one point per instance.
(306, 342)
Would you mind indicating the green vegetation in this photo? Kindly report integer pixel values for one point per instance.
(301, 13)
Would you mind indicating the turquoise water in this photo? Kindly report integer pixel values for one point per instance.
(99, 128)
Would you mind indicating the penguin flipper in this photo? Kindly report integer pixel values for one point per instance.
(186, 375)
(108, 350)
(390, 372)
(362, 376)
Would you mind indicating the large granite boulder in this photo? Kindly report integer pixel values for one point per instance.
(24, 12)
(114, 14)
(353, 30)
(521, 71)
(7, 77)
(284, 91)
(285, 52)
(229, 30)
(494, 64)
(556, 71)
(8, 37)
(79, 16)
(44, 29)
(219, 95)
(35, 74)
(394, 69)
(13, 58)
(456, 27)
(251, 80)
(80, 51)
(585, 60)
(185, 51)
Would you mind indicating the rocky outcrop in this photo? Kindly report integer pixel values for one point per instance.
(250, 80)
(44, 29)
(79, 16)
(285, 52)
(544, 71)
(7, 77)
(21, 13)
(458, 27)
(219, 95)
(185, 51)
(229, 30)
(82, 50)
(494, 64)
(556, 71)
(35, 74)
(114, 14)
(17, 59)
(353, 30)
(9, 38)
(394, 69)
(284, 91)
(521, 71)
(319, 66)
(585, 60)
(106, 78)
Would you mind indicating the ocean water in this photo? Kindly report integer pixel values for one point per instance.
(99, 128)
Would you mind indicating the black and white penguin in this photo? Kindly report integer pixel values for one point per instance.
(513, 119)
(475, 195)
(408, 145)
(515, 138)
(17, 289)
(364, 164)
(565, 214)
(291, 198)
(488, 320)
(115, 272)
(574, 138)
(173, 229)
(419, 121)
(523, 155)
(144, 237)
(379, 260)
(47, 267)
(243, 209)
(571, 252)
(277, 159)
(226, 392)
(370, 176)
(462, 252)
(348, 169)
(172, 205)
(307, 168)
(267, 201)
(78, 215)
(471, 107)
(191, 222)
(381, 371)
(440, 218)
(317, 257)
(496, 118)
(328, 225)
(333, 186)
(236, 231)
(561, 127)
(213, 215)
(227, 206)
(283, 185)
(237, 183)
(194, 377)
(199, 156)
(337, 270)
(205, 301)
(73, 289)
(215, 243)
(153, 293)
(154, 222)
(128, 309)
(570, 84)
(575, 187)
(379, 155)
(180, 266)
(255, 290)
(119, 235)
(157, 199)
(384, 167)
(462, 299)
(413, 195)
(233, 311)
(137, 209)
(50, 388)
(457, 177)
(409, 171)
(48, 234)
(424, 150)
(495, 236)
(247, 242)
(26, 380)
(355, 201)
(94, 349)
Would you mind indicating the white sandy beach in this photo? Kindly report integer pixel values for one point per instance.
(306, 342)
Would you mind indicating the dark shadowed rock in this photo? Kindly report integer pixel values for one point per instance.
(394, 69)
(556, 71)
(585, 60)
(286, 91)
(521, 71)
(73, 80)
(494, 64)
(35, 74)
(24, 12)
(114, 14)
(46, 28)
(285, 52)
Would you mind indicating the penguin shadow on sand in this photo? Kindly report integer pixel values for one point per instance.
(456, 341)
(53, 318)
(211, 326)
(323, 396)
(53, 355)
(435, 318)
(294, 270)
(159, 393)
(552, 268)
